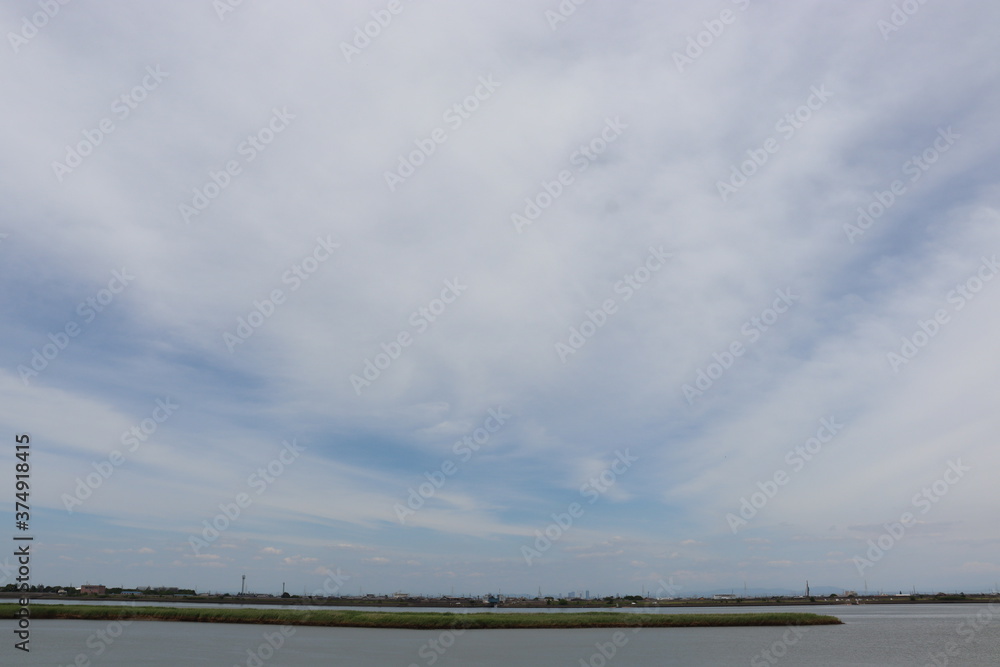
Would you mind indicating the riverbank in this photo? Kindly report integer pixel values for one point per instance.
(417, 620)
(510, 603)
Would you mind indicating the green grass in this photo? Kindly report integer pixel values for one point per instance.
(416, 620)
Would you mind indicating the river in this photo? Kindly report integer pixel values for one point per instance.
(912, 635)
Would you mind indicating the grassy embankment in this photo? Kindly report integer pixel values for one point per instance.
(416, 620)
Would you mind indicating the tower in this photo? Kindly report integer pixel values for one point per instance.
(243, 588)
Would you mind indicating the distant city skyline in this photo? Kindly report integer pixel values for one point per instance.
(737, 592)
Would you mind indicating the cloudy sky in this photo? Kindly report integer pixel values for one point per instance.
(500, 296)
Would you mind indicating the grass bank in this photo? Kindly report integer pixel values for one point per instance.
(416, 620)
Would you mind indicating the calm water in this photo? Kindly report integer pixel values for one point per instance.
(871, 636)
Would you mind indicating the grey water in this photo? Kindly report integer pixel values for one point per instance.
(914, 635)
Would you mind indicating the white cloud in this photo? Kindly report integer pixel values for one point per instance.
(493, 347)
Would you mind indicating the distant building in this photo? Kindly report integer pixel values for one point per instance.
(724, 596)
(87, 589)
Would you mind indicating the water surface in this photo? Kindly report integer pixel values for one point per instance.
(872, 636)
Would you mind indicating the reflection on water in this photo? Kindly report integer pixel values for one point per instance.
(910, 635)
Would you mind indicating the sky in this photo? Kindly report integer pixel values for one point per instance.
(527, 297)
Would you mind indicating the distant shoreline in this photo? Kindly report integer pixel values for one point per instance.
(466, 603)
(415, 620)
